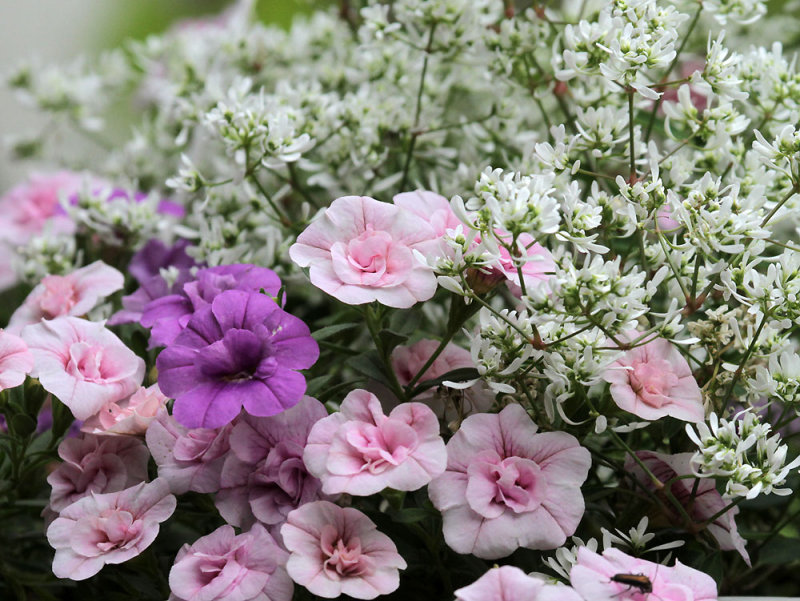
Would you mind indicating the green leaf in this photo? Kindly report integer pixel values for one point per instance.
(328, 331)
(410, 515)
(390, 339)
(780, 550)
(368, 364)
(22, 425)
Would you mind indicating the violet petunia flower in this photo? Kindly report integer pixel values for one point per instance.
(155, 256)
(242, 350)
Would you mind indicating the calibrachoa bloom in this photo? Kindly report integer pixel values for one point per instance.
(339, 551)
(108, 528)
(130, 416)
(508, 583)
(242, 350)
(362, 250)
(16, 361)
(360, 451)
(430, 206)
(653, 381)
(537, 268)
(223, 565)
(507, 486)
(82, 363)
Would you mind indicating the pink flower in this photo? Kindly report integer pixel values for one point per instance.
(338, 551)
(430, 206)
(592, 578)
(360, 451)
(16, 361)
(73, 294)
(362, 250)
(82, 363)
(189, 459)
(665, 221)
(224, 565)
(96, 464)
(705, 503)
(508, 583)
(653, 381)
(507, 486)
(536, 270)
(108, 528)
(130, 416)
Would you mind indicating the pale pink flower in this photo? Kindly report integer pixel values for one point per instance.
(360, 451)
(108, 528)
(223, 565)
(73, 294)
(189, 459)
(362, 250)
(507, 486)
(592, 575)
(430, 206)
(508, 583)
(338, 551)
(131, 416)
(96, 464)
(16, 361)
(665, 221)
(653, 381)
(82, 363)
(536, 270)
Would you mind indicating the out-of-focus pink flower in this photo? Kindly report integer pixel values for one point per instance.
(592, 575)
(430, 206)
(73, 294)
(16, 361)
(362, 250)
(705, 503)
(536, 270)
(653, 381)
(108, 528)
(666, 222)
(82, 363)
(223, 565)
(96, 464)
(508, 583)
(506, 486)
(338, 551)
(189, 459)
(360, 451)
(130, 416)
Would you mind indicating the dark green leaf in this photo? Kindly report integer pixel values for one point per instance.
(780, 550)
(329, 331)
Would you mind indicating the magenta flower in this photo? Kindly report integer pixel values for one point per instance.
(508, 583)
(653, 381)
(362, 250)
(507, 486)
(108, 528)
(129, 416)
(360, 451)
(241, 350)
(82, 363)
(16, 361)
(338, 551)
(592, 578)
(226, 566)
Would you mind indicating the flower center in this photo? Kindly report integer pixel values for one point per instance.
(86, 361)
(384, 446)
(496, 485)
(343, 558)
(652, 381)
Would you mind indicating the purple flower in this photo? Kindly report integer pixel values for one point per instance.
(241, 350)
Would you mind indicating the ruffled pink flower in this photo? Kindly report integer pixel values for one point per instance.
(705, 503)
(360, 451)
(73, 294)
(537, 269)
(362, 250)
(108, 528)
(189, 459)
(16, 361)
(338, 551)
(96, 464)
(264, 477)
(506, 486)
(82, 363)
(223, 565)
(508, 583)
(430, 206)
(592, 575)
(653, 381)
(130, 416)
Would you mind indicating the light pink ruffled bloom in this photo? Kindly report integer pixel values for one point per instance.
(16, 361)
(361, 250)
(108, 528)
(82, 363)
(189, 459)
(224, 565)
(360, 451)
(130, 416)
(506, 486)
(73, 294)
(653, 381)
(96, 464)
(591, 577)
(339, 551)
(508, 583)
(430, 206)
